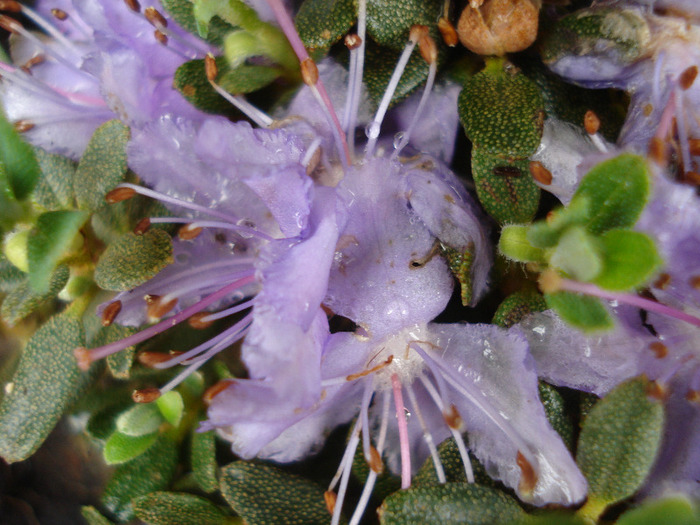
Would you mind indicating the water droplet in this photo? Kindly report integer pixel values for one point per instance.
(400, 140)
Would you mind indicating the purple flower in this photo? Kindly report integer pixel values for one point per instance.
(101, 61)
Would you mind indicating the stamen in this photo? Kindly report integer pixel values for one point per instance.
(357, 64)
(119, 194)
(657, 390)
(448, 32)
(540, 173)
(207, 318)
(250, 111)
(214, 390)
(158, 306)
(427, 436)
(86, 357)
(189, 232)
(145, 395)
(151, 359)
(330, 498)
(658, 151)
(155, 18)
(364, 416)
(345, 468)
(551, 282)
(133, 5)
(682, 132)
(694, 147)
(662, 282)
(59, 14)
(666, 120)
(110, 312)
(162, 38)
(22, 126)
(55, 35)
(10, 6)
(200, 321)
(143, 226)
(591, 124)
(403, 432)
(656, 83)
(353, 377)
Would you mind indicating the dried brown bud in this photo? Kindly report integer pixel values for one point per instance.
(110, 312)
(497, 27)
(448, 32)
(145, 395)
(540, 173)
(119, 194)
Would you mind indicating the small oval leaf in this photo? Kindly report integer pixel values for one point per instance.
(582, 311)
(139, 420)
(121, 448)
(174, 508)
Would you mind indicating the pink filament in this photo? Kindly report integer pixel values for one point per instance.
(403, 432)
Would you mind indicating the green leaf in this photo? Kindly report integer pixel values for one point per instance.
(629, 260)
(102, 422)
(321, 23)
(453, 467)
(203, 459)
(121, 448)
(54, 237)
(577, 254)
(151, 471)
(246, 79)
(516, 306)
(379, 66)
(54, 189)
(182, 11)
(502, 114)
(111, 222)
(46, 383)
(674, 510)
(18, 163)
(176, 508)
(546, 234)
(515, 245)
(139, 420)
(389, 21)
(103, 165)
(10, 275)
(120, 363)
(23, 300)
(191, 81)
(93, 516)
(452, 503)
(262, 494)
(556, 409)
(617, 190)
(505, 188)
(133, 259)
(460, 263)
(171, 407)
(582, 311)
(618, 444)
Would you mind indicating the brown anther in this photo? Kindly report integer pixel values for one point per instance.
(158, 308)
(549, 218)
(10, 6)
(119, 194)
(155, 18)
(189, 232)
(133, 5)
(22, 126)
(161, 37)
(330, 497)
(694, 281)
(591, 122)
(658, 151)
(453, 418)
(143, 226)
(59, 14)
(214, 390)
(151, 298)
(648, 109)
(151, 359)
(528, 476)
(448, 32)
(549, 281)
(660, 350)
(694, 146)
(352, 41)
(358, 375)
(686, 79)
(145, 395)
(375, 460)
(656, 390)
(540, 173)
(197, 321)
(417, 32)
(110, 312)
(10, 24)
(692, 178)
(35, 60)
(693, 396)
(428, 49)
(662, 281)
(309, 72)
(210, 67)
(84, 358)
(314, 161)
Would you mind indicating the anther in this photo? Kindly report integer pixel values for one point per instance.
(161, 37)
(591, 122)
(375, 460)
(352, 41)
(330, 497)
(453, 418)
(119, 194)
(110, 312)
(10, 24)
(133, 5)
(10, 6)
(155, 18)
(662, 282)
(694, 146)
(22, 126)
(59, 14)
(189, 232)
(686, 79)
(528, 477)
(358, 375)
(660, 350)
(549, 281)
(145, 395)
(198, 321)
(692, 178)
(448, 32)
(657, 151)
(157, 308)
(84, 358)
(210, 67)
(214, 390)
(428, 49)
(151, 359)
(37, 59)
(309, 72)
(656, 390)
(143, 226)
(540, 173)
(693, 396)
(417, 32)
(695, 282)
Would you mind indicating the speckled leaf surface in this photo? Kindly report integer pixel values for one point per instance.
(177, 508)
(54, 189)
(203, 460)
(321, 23)
(389, 21)
(18, 165)
(23, 300)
